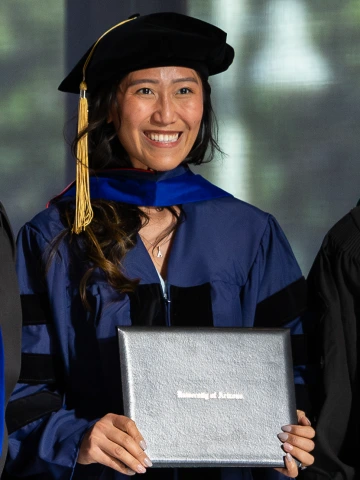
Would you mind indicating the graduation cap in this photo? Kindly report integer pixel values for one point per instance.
(156, 40)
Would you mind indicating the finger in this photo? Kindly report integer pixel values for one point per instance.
(291, 469)
(129, 426)
(299, 430)
(104, 459)
(105, 437)
(130, 446)
(300, 413)
(304, 457)
(302, 418)
(127, 435)
(122, 456)
(296, 441)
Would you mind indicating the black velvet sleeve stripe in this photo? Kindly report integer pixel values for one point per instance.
(147, 305)
(38, 368)
(36, 309)
(25, 410)
(283, 306)
(191, 306)
(304, 350)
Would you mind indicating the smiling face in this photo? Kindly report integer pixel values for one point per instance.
(158, 115)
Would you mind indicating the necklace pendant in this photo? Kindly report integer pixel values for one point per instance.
(159, 254)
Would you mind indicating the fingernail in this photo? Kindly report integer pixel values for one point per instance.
(289, 457)
(287, 446)
(286, 428)
(283, 436)
(140, 469)
(148, 462)
(143, 444)
(130, 472)
(307, 421)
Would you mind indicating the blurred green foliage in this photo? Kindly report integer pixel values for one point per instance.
(32, 115)
(309, 132)
(294, 91)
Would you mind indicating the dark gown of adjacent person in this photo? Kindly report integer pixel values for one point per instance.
(334, 293)
(230, 265)
(10, 323)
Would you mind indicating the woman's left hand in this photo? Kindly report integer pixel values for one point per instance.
(297, 443)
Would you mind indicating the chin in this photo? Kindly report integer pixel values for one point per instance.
(160, 166)
(165, 169)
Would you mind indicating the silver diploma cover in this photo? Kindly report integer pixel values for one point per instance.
(206, 397)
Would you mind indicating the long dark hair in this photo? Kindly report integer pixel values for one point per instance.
(114, 228)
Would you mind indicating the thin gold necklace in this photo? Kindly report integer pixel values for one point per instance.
(159, 252)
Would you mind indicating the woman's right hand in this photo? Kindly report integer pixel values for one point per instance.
(116, 442)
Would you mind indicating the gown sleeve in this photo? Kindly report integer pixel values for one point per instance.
(45, 433)
(282, 303)
(10, 321)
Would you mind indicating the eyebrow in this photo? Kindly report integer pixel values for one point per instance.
(150, 80)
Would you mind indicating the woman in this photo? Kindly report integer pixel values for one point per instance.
(153, 233)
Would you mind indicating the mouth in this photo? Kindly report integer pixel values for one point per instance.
(163, 137)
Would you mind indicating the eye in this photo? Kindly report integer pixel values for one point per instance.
(184, 91)
(144, 91)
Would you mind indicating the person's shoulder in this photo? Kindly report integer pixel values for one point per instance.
(2, 209)
(48, 222)
(347, 227)
(4, 221)
(244, 227)
(238, 210)
(5, 227)
(344, 236)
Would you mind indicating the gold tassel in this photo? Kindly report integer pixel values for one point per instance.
(84, 212)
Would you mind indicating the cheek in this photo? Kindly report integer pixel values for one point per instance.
(197, 111)
(196, 121)
(133, 117)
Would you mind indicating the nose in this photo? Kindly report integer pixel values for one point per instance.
(165, 111)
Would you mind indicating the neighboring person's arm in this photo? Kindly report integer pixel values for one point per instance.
(10, 316)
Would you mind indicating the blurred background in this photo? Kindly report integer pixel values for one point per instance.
(288, 108)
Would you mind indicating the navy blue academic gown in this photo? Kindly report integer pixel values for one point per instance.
(230, 266)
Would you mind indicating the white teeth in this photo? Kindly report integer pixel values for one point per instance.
(163, 138)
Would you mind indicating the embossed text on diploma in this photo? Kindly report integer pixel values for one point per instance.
(210, 396)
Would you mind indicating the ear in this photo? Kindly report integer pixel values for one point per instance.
(110, 118)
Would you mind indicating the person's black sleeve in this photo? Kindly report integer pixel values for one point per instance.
(10, 313)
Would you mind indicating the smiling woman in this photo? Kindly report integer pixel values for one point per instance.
(139, 239)
(157, 116)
